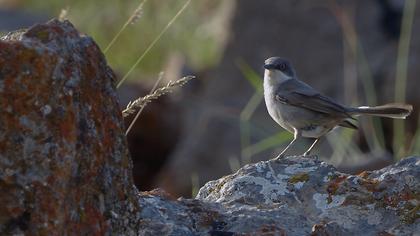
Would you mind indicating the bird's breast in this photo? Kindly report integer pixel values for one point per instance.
(276, 111)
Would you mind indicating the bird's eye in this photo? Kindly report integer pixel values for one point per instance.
(282, 67)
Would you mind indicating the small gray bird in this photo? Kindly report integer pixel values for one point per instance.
(303, 111)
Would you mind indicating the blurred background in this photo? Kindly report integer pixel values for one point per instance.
(358, 52)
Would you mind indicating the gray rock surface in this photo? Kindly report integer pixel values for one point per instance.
(64, 164)
(296, 196)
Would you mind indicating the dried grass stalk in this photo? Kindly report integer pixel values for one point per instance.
(133, 106)
(142, 108)
(64, 14)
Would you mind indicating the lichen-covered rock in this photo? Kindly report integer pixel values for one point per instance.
(302, 195)
(64, 164)
(295, 196)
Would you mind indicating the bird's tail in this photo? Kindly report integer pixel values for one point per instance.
(391, 110)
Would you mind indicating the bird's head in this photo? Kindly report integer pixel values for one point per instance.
(278, 69)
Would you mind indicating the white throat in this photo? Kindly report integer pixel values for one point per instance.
(272, 78)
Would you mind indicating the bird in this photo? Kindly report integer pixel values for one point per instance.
(305, 112)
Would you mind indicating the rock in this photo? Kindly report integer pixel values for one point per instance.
(296, 196)
(301, 196)
(64, 163)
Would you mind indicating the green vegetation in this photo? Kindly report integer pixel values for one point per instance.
(193, 33)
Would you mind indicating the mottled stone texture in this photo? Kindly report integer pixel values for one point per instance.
(64, 165)
(299, 195)
(296, 196)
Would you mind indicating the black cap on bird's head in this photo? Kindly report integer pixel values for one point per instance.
(281, 64)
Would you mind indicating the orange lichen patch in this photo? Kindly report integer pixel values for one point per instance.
(391, 201)
(334, 184)
(108, 137)
(87, 222)
(23, 66)
(359, 200)
(4, 46)
(47, 210)
(402, 196)
(15, 211)
(67, 127)
(370, 184)
(160, 193)
(406, 204)
(95, 221)
(410, 213)
(406, 195)
(9, 210)
(269, 230)
(364, 174)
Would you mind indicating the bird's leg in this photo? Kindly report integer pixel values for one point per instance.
(311, 147)
(296, 135)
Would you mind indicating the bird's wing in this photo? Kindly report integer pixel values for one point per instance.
(296, 93)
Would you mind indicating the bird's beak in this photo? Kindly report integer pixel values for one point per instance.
(268, 66)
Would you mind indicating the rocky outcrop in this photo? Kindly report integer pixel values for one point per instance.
(299, 194)
(296, 196)
(64, 164)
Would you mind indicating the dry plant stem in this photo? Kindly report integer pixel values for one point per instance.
(415, 141)
(64, 14)
(375, 139)
(143, 101)
(401, 74)
(153, 43)
(133, 17)
(141, 109)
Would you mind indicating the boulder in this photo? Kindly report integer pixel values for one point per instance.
(300, 194)
(295, 196)
(64, 162)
